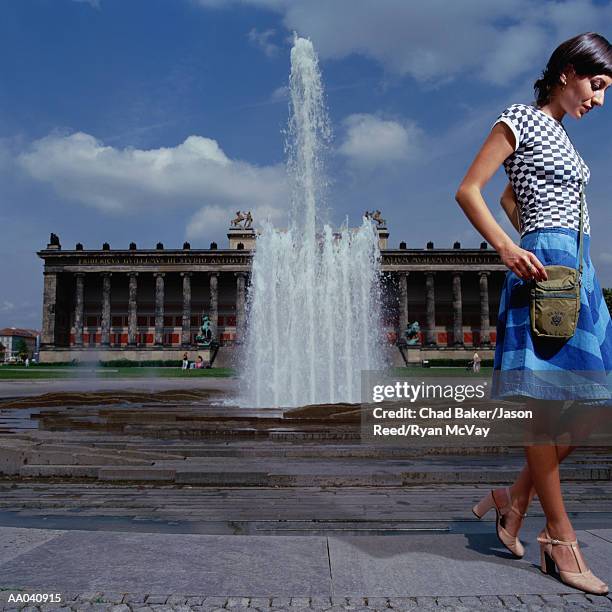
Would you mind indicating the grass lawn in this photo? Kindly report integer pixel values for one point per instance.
(439, 371)
(50, 372)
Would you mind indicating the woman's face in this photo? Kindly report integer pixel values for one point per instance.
(582, 93)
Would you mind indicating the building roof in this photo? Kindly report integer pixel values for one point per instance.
(19, 332)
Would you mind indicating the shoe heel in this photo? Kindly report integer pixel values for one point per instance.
(484, 505)
(547, 564)
(543, 564)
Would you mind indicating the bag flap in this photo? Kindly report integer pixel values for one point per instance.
(559, 277)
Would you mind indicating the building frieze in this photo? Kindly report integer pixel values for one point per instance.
(424, 260)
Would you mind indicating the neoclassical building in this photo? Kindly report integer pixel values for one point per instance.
(146, 304)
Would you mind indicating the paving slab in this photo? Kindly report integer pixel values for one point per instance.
(449, 564)
(422, 566)
(159, 563)
(15, 541)
(597, 551)
(605, 534)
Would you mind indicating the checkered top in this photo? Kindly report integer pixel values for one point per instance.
(543, 170)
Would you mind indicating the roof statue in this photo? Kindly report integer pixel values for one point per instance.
(242, 220)
(375, 215)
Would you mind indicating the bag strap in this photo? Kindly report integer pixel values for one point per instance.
(580, 236)
(582, 205)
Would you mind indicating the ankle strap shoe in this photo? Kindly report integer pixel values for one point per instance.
(584, 579)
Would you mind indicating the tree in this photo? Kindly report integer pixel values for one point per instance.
(607, 293)
(22, 349)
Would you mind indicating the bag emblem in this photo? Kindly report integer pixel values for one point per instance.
(556, 318)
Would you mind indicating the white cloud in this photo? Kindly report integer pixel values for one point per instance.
(371, 140)
(574, 16)
(6, 307)
(514, 51)
(605, 258)
(438, 41)
(192, 174)
(267, 4)
(209, 220)
(213, 219)
(262, 40)
(280, 94)
(93, 3)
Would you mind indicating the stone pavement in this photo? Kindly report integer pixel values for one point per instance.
(276, 510)
(110, 570)
(25, 388)
(261, 510)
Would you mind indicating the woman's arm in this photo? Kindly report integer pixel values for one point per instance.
(509, 204)
(496, 148)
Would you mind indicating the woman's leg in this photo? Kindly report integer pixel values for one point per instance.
(544, 468)
(580, 422)
(522, 492)
(543, 462)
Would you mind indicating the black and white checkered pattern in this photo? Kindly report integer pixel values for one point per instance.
(543, 170)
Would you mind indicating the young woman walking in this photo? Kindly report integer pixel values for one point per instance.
(546, 175)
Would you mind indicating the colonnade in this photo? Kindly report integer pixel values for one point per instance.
(80, 280)
(430, 307)
(50, 299)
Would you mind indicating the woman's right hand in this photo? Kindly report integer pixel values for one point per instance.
(522, 262)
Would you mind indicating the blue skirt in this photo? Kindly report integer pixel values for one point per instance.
(529, 366)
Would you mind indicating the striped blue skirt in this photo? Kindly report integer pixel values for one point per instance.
(526, 366)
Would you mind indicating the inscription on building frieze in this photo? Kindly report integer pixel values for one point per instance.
(155, 261)
(406, 260)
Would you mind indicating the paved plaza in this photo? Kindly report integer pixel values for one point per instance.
(201, 572)
(166, 499)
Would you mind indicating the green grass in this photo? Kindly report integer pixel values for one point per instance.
(49, 372)
(441, 371)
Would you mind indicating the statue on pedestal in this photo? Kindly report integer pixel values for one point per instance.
(412, 333)
(376, 215)
(237, 220)
(242, 217)
(205, 338)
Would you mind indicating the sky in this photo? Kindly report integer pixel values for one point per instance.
(155, 120)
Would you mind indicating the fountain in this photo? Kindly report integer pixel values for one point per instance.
(313, 307)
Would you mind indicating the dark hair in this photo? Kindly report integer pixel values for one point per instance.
(588, 53)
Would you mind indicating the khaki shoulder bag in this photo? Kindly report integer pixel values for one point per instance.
(555, 302)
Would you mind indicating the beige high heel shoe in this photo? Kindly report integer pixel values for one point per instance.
(512, 543)
(584, 579)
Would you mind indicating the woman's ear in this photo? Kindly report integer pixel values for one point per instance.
(567, 74)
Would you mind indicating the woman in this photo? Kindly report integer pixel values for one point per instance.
(542, 200)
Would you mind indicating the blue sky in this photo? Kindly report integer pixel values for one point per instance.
(154, 120)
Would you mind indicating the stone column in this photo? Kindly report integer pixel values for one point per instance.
(240, 305)
(403, 304)
(132, 308)
(485, 334)
(47, 336)
(457, 310)
(430, 332)
(106, 309)
(159, 308)
(79, 278)
(186, 331)
(214, 303)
